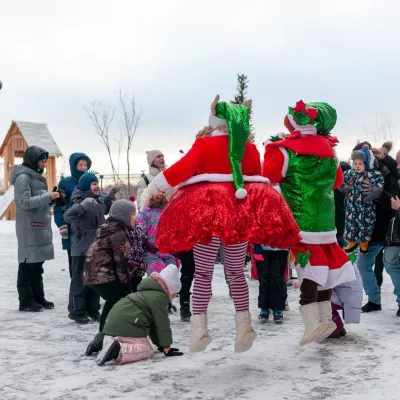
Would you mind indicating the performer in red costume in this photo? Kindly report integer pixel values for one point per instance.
(222, 200)
(305, 166)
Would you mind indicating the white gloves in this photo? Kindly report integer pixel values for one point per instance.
(148, 193)
(64, 231)
(89, 201)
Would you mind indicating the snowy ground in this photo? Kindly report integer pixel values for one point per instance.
(42, 355)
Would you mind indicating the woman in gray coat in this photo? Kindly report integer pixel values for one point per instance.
(33, 226)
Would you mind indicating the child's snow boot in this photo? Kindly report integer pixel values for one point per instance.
(96, 344)
(79, 319)
(351, 246)
(200, 337)
(47, 305)
(313, 328)
(185, 313)
(32, 307)
(325, 315)
(95, 316)
(364, 247)
(278, 316)
(110, 350)
(264, 314)
(245, 334)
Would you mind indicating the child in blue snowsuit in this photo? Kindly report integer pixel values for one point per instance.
(78, 163)
(360, 213)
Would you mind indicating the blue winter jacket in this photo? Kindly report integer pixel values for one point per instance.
(68, 185)
(84, 223)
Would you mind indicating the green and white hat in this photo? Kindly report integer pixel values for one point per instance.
(312, 118)
(235, 117)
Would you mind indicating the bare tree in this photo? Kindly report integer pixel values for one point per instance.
(102, 115)
(130, 120)
(382, 131)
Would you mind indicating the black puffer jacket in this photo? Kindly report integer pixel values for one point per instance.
(393, 232)
(384, 211)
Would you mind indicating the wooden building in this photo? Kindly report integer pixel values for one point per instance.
(20, 136)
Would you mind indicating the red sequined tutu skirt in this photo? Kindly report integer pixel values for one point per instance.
(197, 212)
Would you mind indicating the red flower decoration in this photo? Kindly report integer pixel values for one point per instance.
(333, 140)
(300, 106)
(294, 135)
(311, 112)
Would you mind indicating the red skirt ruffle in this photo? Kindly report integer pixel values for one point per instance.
(197, 212)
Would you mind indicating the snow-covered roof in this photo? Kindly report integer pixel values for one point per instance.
(35, 134)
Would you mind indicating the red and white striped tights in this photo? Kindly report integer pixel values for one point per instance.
(234, 260)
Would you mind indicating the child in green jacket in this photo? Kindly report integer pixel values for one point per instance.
(139, 315)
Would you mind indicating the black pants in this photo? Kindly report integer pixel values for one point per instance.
(378, 269)
(30, 283)
(69, 263)
(82, 299)
(111, 292)
(187, 276)
(272, 289)
(309, 293)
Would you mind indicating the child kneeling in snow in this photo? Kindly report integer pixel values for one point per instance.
(142, 314)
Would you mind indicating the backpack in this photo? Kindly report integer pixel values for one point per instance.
(146, 179)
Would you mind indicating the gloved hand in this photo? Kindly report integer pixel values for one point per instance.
(89, 201)
(171, 352)
(151, 190)
(64, 231)
(113, 191)
(171, 308)
(373, 194)
(345, 188)
(151, 248)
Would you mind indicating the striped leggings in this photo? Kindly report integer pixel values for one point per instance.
(234, 259)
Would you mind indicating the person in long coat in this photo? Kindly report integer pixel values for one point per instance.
(33, 227)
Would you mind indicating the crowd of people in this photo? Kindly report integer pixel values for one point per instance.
(300, 208)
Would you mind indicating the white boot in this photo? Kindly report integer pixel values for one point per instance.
(245, 334)
(200, 337)
(313, 327)
(325, 315)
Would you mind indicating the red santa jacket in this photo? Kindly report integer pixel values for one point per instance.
(208, 160)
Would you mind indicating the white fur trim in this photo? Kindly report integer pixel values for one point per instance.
(285, 162)
(241, 194)
(303, 129)
(339, 276)
(318, 237)
(214, 121)
(161, 182)
(327, 278)
(217, 132)
(221, 178)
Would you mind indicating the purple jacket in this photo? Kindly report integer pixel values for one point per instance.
(148, 221)
(349, 295)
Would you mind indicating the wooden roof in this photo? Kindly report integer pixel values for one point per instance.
(35, 134)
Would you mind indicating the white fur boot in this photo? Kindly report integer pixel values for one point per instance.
(325, 315)
(245, 334)
(313, 327)
(200, 337)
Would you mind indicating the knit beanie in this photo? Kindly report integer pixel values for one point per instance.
(86, 180)
(359, 146)
(43, 157)
(122, 211)
(366, 156)
(152, 155)
(170, 274)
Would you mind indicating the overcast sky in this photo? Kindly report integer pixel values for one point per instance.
(176, 55)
